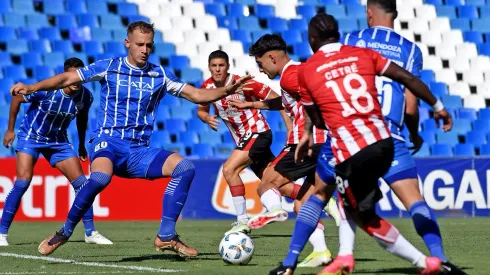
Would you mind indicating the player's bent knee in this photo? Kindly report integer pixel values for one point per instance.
(100, 179)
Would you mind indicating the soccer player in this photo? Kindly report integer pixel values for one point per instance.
(271, 56)
(338, 90)
(249, 130)
(402, 177)
(43, 131)
(131, 89)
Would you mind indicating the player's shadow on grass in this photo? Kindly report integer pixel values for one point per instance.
(170, 257)
(270, 236)
(395, 270)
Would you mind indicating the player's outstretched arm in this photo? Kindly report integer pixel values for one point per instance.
(9, 137)
(197, 95)
(412, 120)
(53, 83)
(420, 90)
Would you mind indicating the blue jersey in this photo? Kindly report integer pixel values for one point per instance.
(129, 97)
(405, 54)
(50, 114)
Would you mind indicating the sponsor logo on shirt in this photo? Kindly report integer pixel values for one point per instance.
(137, 85)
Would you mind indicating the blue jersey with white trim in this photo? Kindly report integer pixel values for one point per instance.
(404, 53)
(129, 97)
(50, 114)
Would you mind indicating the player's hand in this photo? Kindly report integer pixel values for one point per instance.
(20, 89)
(304, 147)
(213, 122)
(417, 143)
(240, 83)
(447, 121)
(239, 104)
(9, 138)
(82, 153)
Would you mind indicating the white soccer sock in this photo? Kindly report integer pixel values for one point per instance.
(271, 199)
(240, 208)
(347, 236)
(317, 238)
(404, 249)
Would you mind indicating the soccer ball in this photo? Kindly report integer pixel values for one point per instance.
(236, 248)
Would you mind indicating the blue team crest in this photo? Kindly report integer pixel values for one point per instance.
(361, 44)
(153, 74)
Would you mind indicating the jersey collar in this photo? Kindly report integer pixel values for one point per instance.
(332, 47)
(134, 67)
(382, 27)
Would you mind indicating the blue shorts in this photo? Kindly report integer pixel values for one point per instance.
(53, 152)
(130, 160)
(325, 167)
(403, 166)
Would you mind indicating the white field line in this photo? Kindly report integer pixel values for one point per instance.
(74, 262)
(70, 272)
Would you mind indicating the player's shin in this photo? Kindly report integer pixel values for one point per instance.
(306, 223)
(427, 227)
(347, 233)
(84, 200)
(238, 196)
(88, 217)
(12, 203)
(175, 197)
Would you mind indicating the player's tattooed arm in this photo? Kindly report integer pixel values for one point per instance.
(203, 95)
(9, 137)
(53, 83)
(412, 120)
(82, 121)
(313, 118)
(268, 104)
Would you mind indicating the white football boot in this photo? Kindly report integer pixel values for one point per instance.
(97, 238)
(3, 240)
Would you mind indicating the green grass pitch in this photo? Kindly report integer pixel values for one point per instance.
(467, 243)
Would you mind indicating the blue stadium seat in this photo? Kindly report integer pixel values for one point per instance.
(484, 49)
(485, 12)
(210, 137)
(28, 34)
(197, 125)
(485, 150)
(101, 35)
(423, 113)
(182, 112)
(54, 7)
(276, 24)
(81, 56)
(134, 18)
(5, 59)
(446, 11)
(92, 47)
(15, 72)
(179, 62)
(170, 101)
(338, 10)
(455, 2)
(97, 7)
(264, 11)
(473, 37)
(292, 36)
(476, 138)
(481, 25)
(224, 150)
(329, 2)
(224, 1)
(165, 50)
(191, 75)
(447, 138)
(174, 125)
(259, 33)
(424, 151)
(188, 138)
(5, 152)
(276, 147)
(438, 89)
(216, 9)
(89, 20)
(14, 20)
(464, 150)
(467, 113)
(241, 35)
(127, 9)
(468, 12)
(237, 10)
(228, 22)
(111, 21)
(31, 59)
(17, 47)
(7, 33)
(482, 125)
(163, 112)
(63, 46)
(115, 47)
(484, 113)
(476, 2)
(159, 139)
(311, 2)
(461, 126)
(50, 33)
(452, 101)
(351, 2)
(356, 11)
(250, 23)
(6, 83)
(462, 24)
(23, 6)
(427, 76)
(203, 150)
(66, 21)
(40, 46)
(80, 35)
(227, 138)
(307, 12)
(76, 7)
(42, 72)
(347, 25)
(246, 2)
(298, 24)
(302, 50)
(442, 150)
(429, 137)
(5, 7)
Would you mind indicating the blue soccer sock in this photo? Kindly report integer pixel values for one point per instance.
(426, 226)
(306, 222)
(174, 198)
(88, 218)
(12, 203)
(84, 199)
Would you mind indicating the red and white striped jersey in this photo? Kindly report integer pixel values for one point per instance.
(292, 104)
(241, 121)
(340, 80)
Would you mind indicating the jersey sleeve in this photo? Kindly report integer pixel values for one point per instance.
(289, 80)
(174, 84)
(304, 93)
(417, 62)
(35, 97)
(380, 62)
(95, 71)
(260, 90)
(348, 39)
